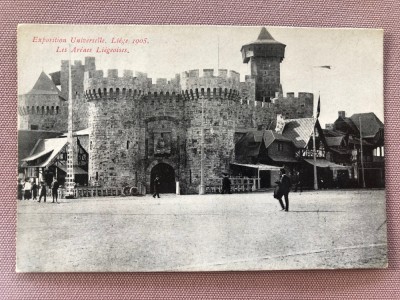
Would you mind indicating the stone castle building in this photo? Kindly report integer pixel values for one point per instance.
(136, 128)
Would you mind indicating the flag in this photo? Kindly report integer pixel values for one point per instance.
(319, 106)
(324, 67)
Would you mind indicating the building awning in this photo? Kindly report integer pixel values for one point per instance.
(37, 155)
(47, 146)
(284, 159)
(77, 170)
(323, 163)
(260, 167)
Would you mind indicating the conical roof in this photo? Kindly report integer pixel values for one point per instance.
(264, 38)
(44, 85)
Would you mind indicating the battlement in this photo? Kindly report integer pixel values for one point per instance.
(191, 80)
(97, 85)
(291, 96)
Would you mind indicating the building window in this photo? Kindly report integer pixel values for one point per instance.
(127, 145)
(97, 175)
(57, 110)
(91, 145)
(280, 146)
(34, 127)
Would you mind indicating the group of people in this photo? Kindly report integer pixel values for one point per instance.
(28, 190)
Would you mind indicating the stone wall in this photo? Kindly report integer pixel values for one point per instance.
(292, 107)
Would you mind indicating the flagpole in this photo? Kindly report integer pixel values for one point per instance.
(361, 158)
(314, 149)
(315, 119)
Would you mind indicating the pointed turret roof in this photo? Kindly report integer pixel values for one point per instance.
(264, 38)
(44, 85)
(265, 35)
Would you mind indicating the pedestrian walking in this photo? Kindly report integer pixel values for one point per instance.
(283, 190)
(54, 190)
(27, 189)
(226, 185)
(43, 191)
(34, 190)
(156, 186)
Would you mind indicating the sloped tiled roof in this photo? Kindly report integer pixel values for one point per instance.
(250, 143)
(335, 141)
(299, 131)
(370, 124)
(44, 147)
(270, 136)
(44, 86)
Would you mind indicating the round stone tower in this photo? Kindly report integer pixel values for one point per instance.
(212, 103)
(265, 55)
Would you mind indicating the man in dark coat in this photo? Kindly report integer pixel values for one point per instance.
(157, 184)
(43, 191)
(284, 189)
(226, 185)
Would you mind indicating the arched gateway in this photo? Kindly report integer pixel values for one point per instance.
(166, 173)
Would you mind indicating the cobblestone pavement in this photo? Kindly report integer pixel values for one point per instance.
(323, 229)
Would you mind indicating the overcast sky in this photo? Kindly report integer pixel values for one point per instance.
(354, 83)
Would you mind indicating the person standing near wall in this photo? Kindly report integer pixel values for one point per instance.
(156, 186)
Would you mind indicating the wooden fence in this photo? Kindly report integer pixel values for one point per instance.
(238, 184)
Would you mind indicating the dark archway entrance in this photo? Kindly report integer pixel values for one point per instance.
(167, 178)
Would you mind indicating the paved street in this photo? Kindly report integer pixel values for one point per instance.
(324, 229)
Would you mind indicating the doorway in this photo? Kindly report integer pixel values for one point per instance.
(166, 173)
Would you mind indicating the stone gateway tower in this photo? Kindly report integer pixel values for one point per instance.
(265, 56)
(137, 128)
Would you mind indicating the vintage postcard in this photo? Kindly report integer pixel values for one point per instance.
(199, 148)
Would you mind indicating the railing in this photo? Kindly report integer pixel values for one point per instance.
(82, 192)
(238, 184)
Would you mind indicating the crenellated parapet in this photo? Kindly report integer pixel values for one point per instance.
(225, 84)
(97, 86)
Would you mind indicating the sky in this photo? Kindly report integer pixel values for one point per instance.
(353, 84)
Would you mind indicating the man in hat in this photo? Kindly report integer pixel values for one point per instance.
(54, 190)
(284, 189)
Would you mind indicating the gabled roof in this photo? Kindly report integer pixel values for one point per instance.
(348, 125)
(370, 124)
(44, 86)
(299, 131)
